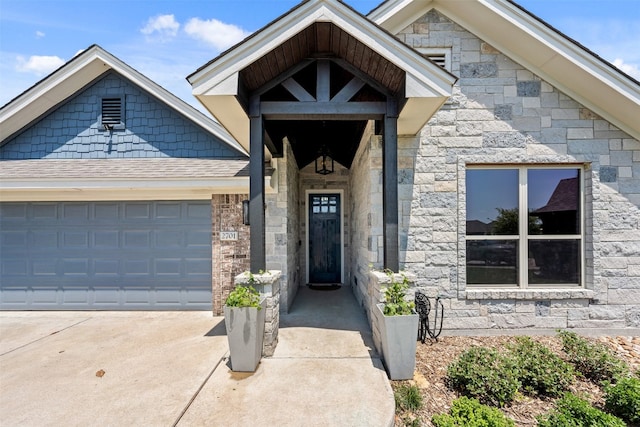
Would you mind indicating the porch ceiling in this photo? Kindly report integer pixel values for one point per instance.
(320, 29)
(322, 40)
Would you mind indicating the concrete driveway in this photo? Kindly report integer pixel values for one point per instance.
(154, 365)
(172, 368)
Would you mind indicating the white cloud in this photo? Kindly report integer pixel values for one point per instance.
(214, 32)
(38, 65)
(630, 69)
(162, 26)
(39, 34)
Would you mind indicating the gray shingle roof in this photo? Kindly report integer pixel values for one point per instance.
(160, 168)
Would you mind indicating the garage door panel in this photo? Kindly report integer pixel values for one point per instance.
(13, 211)
(44, 240)
(106, 267)
(76, 296)
(137, 211)
(39, 211)
(15, 267)
(75, 211)
(106, 211)
(106, 297)
(106, 255)
(13, 298)
(75, 239)
(168, 210)
(43, 296)
(45, 267)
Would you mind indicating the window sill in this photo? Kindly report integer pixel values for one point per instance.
(528, 294)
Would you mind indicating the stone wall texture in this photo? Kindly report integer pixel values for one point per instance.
(282, 224)
(501, 113)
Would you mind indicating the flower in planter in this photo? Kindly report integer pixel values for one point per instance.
(244, 296)
(395, 302)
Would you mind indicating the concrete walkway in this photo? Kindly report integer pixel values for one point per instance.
(171, 368)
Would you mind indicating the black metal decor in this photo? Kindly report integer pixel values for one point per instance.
(423, 307)
(324, 162)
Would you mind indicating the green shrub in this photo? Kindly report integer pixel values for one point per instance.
(540, 371)
(623, 399)
(395, 301)
(408, 398)
(594, 360)
(571, 411)
(471, 413)
(243, 296)
(485, 374)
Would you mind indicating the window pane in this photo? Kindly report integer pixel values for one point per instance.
(554, 201)
(492, 202)
(492, 262)
(554, 261)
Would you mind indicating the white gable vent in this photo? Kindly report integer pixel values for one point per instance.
(441, 56)
(112, 116)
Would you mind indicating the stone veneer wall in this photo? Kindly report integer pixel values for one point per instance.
(229, 258)
(501, 113)
(365, 211)
(282, 224)
(268, 284)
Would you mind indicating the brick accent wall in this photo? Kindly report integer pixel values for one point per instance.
(152, 129)
(229, 258)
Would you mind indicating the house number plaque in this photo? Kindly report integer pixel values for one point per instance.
(226, 236)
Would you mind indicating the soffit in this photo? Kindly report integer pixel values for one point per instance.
(322, 40)
(320, 28)
(529, 41)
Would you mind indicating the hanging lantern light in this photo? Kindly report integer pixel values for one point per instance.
(324, 162)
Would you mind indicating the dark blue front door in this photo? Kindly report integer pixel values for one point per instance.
(325, 262)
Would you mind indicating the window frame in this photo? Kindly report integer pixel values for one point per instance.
(524, 237)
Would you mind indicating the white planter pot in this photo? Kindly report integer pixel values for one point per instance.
(398, 335)
(245, 333)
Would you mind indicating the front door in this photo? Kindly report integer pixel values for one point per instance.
(325, 236)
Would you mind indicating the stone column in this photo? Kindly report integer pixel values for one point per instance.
(268, 284)
(378, 281)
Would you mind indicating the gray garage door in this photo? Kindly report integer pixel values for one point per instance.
(105, 255)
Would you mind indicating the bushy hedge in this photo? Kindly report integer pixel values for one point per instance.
(571, 411)
(540, 371)
(594, 360)
(485, 374)
(623, 399)
(471, 413)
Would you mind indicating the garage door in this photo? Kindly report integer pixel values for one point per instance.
(105, 255)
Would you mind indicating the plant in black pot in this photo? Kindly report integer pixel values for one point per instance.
(244, 316)
(398, 326)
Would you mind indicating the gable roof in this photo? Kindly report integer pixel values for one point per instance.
(564, 197)
(219, 86)
(526, 39)
(77, 74)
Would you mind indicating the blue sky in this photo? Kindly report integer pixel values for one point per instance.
(169, 39)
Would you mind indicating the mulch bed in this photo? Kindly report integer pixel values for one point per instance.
(433, 358)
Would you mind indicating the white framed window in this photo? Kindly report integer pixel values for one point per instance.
(441, 56)
(525, 226)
